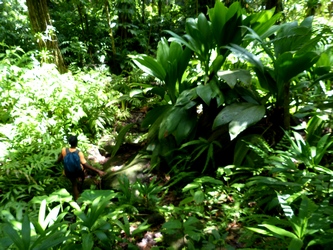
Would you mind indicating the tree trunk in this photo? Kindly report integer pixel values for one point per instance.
(114, 51)
(40, 22)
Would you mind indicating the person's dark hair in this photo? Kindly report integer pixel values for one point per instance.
(73, 141)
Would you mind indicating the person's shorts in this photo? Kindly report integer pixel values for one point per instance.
(74, 175)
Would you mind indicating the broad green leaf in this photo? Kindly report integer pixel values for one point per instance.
(279, 231)
(150, 66)
(162, 56)
(26, 231)
(194, 142)
(120, 138)
(204, 28)
(143, 227)
(90, 195)
(260, 231)
(243, 53)
(307, 22)
(324, 170)
(270, 181)
(199, 196)
(314, 128)
(320, 242)
(191, 186)
(295, 244)
(307, 208)
(186, 97)
(87, 241)
(265, 21)
(190, 221)
(229, 112)
(179, 39)
(186, 200)
(217, 64)
(175, 53)
(289, 65)
(205, 92)
(234, 23)
(185, 126)
(216, 92)
(173, 224)
(231, 77)
(154, 114)
(240, 116)
(170, 122)
(14, 236)
(135, 92)
(217, 16)
(101, 236)
(208, 179)
(50, 241)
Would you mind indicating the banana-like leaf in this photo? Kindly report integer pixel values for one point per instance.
(186, 97)
(217, 16)
(260, 231)
(321, 149)
(175, 37)
(314, 129)
(295, 244)
(279, 231)
(289, 65)
(216, 92)
(162, 55)
(150, 66)
(270, 181)
(240, 116)
(231, 77)
(307, 208)
(234, 23)
(26, 231)
(185, 126)
(205, 30)
(291, 37)
(243, 53)
(223, 20)
(154, 114)
(261, 22)
(217, 64)
(121, 138)
(205, 92)
(229, 112)
(14, 236)
(87, 241)
(170, 122)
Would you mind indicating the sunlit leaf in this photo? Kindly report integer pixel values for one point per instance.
(199, 196)
(279, 231)
(150, 66)
(231, 77)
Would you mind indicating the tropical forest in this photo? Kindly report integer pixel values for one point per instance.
(203, 124)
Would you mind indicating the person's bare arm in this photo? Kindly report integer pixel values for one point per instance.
(87, 166)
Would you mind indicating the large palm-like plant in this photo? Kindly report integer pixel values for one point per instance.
(292, 49)
(191, 73)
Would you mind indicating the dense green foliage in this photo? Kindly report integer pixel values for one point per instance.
(237, 133)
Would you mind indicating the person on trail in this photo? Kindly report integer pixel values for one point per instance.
(75, 165)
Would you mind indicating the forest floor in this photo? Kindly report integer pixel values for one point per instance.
(130, 162)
